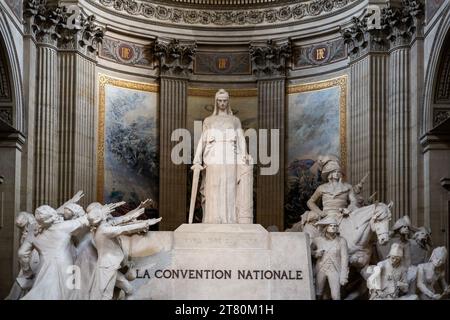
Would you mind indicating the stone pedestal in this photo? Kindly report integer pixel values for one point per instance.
(222, 262)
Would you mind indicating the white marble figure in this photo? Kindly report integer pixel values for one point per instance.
(53, 242)
(432, 274)
(220, 152)
(330, 250)
(356, 224)
(26, 223)
(388, 279)
(337, 196)
(421, 245)
(74, 199)
(85, 254)
(111, 256)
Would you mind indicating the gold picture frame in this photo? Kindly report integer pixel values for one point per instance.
(105, 80)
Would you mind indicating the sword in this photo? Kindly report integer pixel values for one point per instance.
(197, 168)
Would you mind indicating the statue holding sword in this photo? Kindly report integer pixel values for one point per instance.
(226, 168)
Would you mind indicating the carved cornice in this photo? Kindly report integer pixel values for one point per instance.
(175, 59)
(270, 60)
(59, 27)
(235, 17)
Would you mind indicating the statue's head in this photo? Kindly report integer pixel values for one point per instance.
(73, 210)
(92, 206)
(402, 226)
(24, 219)
(396, 254)
(222, 102)
(330, 225)
(438, 256)
(423, 237)
(330, 168)
(95, 216)
(46, 216)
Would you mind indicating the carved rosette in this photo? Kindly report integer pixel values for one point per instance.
(270, 60)
(52, 25)
(175, 59)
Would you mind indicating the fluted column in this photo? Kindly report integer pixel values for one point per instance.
(77, 127)
(47, 101)
(270, 188)
(175, 68)
(367, 106)
(67, 44)
(269, 66)
(398, 137)
(77, 61)
(367, 152)
(402, 23)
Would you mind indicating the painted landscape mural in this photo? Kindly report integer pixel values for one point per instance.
(131, 158)
(314, 128)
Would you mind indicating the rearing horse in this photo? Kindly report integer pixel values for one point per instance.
(358, 227)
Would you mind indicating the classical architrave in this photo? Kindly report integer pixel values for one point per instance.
(340, 82)
(103, 82)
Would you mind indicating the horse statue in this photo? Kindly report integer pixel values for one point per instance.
(358, 229)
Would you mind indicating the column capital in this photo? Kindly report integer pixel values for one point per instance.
(64, 27)
(366, 35)
(176, 59)
(270, 60)
(404, 21)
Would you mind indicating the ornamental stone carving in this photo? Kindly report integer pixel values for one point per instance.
(403, 21)
(225, 17)
(395, 26)
(61, 26)
(175, 59)
(271, 59)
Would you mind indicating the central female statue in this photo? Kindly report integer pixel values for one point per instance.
(221, 154)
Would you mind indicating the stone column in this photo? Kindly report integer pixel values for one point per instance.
(29, 86)
(42, 22)
(368, 71)
(77, 62)
(62, 130)
(416, 87)
(269, 66)
(400, 18)
(11, 143)
(176, 66)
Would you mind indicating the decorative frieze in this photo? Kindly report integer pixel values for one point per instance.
(222, 63)
(126, 52)
(175, 59)
(179, 15)
(319, 54)
(270, 60)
